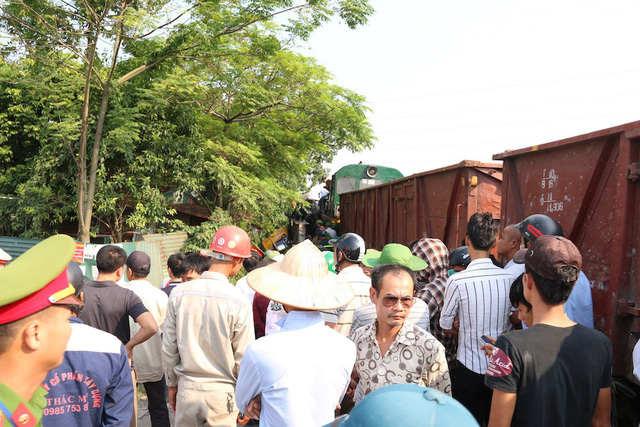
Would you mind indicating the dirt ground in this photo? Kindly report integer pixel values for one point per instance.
(143, 413)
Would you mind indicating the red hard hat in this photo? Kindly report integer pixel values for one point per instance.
(229, 240)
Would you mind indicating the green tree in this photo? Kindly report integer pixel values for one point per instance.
(108, 43)
(271, 121)
(38, 133)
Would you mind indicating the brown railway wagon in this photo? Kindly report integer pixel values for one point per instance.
(436, 203)
(590, 184)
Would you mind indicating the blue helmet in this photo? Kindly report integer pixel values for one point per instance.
(407, 405)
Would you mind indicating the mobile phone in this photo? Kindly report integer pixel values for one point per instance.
(487, 339)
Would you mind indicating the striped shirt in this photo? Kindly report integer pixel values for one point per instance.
(366, 314)
(343, 316)
(479, 295)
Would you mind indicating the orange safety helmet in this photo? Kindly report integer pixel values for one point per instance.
(229, 242)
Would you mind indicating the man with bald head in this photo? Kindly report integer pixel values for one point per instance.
(509, 243)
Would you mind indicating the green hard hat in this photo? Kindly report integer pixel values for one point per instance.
(331, 262)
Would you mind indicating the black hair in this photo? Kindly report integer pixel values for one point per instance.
(516, 293)
(9, 331)
(110, 258)
(141, 272)
(251, 263)
(197, 262)
(482, 230)
(552, 292)
(378, 273)
(175, 264)
(264, 263)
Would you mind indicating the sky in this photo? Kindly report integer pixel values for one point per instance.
(457, 80)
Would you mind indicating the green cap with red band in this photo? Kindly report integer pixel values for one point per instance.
(37, 279)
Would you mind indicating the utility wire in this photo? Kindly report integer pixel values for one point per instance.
(442, 113)
(507, 124)
(562, 79)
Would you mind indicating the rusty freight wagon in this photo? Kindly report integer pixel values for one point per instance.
(590, 184)
(436, 203)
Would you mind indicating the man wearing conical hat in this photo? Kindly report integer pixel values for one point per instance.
(35, 296)
(298, 375)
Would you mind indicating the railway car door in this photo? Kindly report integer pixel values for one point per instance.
(404, 219)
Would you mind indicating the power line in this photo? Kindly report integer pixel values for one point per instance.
(441, 113)
(503, 124)
(563, 79)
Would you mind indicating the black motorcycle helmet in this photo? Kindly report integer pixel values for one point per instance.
(537, 225)
(351, 246)
(460, 256)
(76, 277)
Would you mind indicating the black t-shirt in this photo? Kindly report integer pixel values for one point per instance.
(557, 374)
(108, 306)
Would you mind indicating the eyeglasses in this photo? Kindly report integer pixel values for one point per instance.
(407, 302)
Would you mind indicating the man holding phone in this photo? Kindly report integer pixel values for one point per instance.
(544, 375)
(479, 296)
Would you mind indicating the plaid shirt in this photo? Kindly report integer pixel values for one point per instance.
(431, 283)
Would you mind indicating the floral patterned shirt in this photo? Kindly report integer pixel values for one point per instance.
(415, 357)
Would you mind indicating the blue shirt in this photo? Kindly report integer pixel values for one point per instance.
(302, 372)
(579, 306)
(93, 385)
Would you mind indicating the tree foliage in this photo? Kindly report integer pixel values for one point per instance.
(108, 105)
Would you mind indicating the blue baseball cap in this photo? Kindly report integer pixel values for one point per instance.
(406, 405)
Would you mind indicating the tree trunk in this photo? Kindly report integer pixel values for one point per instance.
(84, 223)
(93, 173)
(87, 212)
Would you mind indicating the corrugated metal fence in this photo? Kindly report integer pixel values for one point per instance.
(158, 246)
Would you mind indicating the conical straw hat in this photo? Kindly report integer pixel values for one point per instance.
(302, 280)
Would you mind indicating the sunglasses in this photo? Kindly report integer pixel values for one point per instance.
(407, 302)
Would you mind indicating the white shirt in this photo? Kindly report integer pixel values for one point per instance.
(147, 357)
(302, 372)
(275, 312)
(636, 360)
(480, 296)
(343, 316)
(315, 192)
(366, 314)
(244, 287)
(515, 269)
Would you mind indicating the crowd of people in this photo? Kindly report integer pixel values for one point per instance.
(409, 335)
